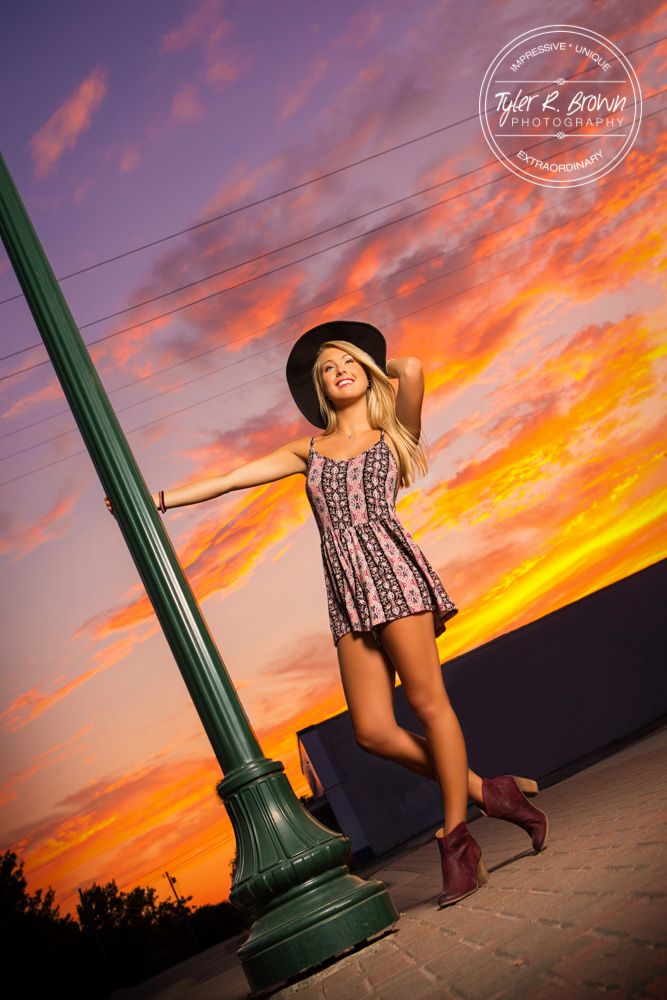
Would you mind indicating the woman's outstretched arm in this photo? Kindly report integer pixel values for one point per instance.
(284, 461)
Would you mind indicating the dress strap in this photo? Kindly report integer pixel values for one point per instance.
(381, 433)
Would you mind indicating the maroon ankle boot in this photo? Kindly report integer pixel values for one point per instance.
(504, 799)
(463, 868)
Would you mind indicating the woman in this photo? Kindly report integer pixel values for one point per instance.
(386, 603)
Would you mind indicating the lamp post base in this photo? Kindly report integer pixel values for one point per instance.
(329, 917)
(292, 877)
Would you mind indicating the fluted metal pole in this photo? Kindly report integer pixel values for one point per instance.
(291, 872)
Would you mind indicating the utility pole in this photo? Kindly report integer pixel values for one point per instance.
(292, 874)
(180, 902)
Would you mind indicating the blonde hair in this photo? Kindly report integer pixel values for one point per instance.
(381, 403)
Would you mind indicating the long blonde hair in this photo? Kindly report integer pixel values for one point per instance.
(381, 403)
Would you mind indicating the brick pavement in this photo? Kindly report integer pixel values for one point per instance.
(584, 918)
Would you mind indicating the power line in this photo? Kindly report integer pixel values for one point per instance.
(296, 315)
(158, 872)
(368, 232)
(177, 862)
(263, 274)
(297, 187)
(256, 202)
(414, 312)
(254, 354)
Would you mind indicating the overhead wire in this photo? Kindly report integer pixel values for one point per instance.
(315, 253)
(190, 406)
(257, 201)
(284, 319)
(439, 277)
(181, 861)
(302, 184)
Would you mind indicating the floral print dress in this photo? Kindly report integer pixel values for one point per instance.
(374, 570)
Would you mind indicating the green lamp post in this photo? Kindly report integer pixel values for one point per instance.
(291, 873)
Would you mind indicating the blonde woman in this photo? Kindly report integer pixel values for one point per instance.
(386, 603)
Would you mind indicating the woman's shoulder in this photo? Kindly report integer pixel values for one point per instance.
(301, 446)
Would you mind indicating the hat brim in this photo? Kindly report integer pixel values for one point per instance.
(301, 359)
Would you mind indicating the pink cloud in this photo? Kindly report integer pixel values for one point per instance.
(186, 105)
(205, 26)
(223, 69)
(129, 160)
(196, 26)
(52, 390)
(315, 73)
(360, 28)
(74, 116)
(81, 190)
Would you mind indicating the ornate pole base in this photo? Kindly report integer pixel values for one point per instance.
(292, 876)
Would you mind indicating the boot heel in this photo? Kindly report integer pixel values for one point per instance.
(527, 785)
(482, 873)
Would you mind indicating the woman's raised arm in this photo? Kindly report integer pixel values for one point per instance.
(284, 461)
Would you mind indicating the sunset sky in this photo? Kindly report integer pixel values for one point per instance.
(537, 313)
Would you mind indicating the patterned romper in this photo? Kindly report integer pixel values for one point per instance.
(374, 571)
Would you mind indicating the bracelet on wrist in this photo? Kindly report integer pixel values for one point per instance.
(161, 504)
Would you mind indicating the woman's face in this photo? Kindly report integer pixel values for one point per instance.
(342, 376)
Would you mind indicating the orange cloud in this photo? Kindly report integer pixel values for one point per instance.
(570, 497)
(165, 812)
(21, 538)
(74, 116)
(221, 557)
(215, 559)
(40, 762)
(30, 704)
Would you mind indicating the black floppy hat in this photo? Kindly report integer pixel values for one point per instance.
(302, 358)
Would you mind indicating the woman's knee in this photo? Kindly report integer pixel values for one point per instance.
(428, 705)
(378, 740)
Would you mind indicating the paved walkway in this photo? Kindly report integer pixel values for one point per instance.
(584, 918)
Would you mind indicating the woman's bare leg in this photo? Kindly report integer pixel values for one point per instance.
(410, 644)
(368, 676)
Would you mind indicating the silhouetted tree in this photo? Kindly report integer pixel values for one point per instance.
(120, 938)
(139, 935)
(46, 948)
